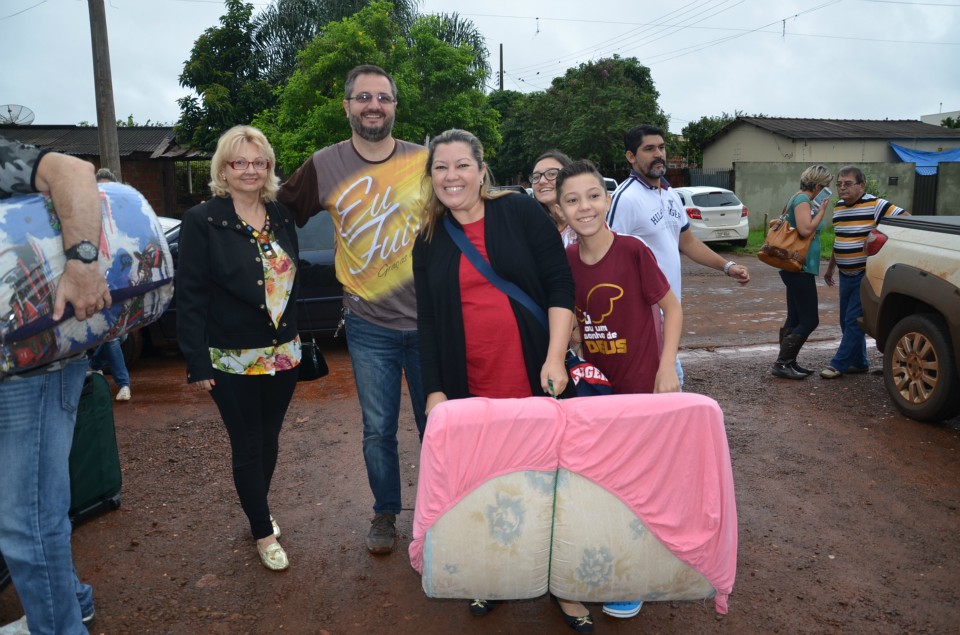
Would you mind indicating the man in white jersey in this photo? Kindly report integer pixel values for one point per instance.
(373, 188)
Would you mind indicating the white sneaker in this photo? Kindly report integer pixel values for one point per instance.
(16, 628)
(123, 395)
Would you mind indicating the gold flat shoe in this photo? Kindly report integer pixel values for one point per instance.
(273, 557)
(276, 527)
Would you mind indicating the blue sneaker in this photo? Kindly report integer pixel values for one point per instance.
(622, 609)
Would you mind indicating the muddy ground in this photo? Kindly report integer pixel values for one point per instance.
(848, 512)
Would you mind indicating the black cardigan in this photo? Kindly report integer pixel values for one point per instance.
(220, 293)
(523, 247)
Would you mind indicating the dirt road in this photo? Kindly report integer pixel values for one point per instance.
(848, 512)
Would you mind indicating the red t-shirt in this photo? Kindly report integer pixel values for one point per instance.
(614, 300)
(495, 365)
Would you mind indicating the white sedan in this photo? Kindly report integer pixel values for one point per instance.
(716, 214)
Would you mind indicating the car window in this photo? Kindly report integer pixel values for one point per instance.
(715, 199)
(317, 234)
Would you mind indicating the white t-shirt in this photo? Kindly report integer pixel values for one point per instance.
(656, 216)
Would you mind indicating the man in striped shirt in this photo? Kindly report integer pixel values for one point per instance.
(854, 217)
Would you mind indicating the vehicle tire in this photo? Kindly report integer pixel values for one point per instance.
(919, 370)
(739, 243)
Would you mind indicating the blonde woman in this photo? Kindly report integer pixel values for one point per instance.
(236, 316)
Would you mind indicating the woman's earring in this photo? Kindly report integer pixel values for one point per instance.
(481, 180)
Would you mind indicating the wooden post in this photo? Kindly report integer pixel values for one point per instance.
(103, 86)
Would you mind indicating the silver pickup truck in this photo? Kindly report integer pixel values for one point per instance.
(911, 307)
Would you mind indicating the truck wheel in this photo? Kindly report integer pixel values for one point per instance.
(919, 371)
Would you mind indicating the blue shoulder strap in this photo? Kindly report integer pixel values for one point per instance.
(487, 272)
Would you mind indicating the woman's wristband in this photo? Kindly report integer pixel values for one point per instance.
(726, 267)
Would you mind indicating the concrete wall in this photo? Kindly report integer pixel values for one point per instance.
(765, 187)
(948, 189)
(749, 143)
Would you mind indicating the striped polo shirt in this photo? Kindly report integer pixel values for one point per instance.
(852, 224)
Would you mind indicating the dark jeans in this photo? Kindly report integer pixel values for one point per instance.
(803, 316)
(252, 408)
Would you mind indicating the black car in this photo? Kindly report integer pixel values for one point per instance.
(319, 305)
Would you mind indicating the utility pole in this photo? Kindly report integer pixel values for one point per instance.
(103, 86)
(501, 66)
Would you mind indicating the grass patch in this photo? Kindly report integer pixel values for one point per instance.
(757, 236)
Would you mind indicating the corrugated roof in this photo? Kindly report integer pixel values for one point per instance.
(848, 128)
(81, 141)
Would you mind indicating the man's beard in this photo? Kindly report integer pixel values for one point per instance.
(656, 170)
(372, 134)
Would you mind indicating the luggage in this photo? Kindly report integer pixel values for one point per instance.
(4, 574)
(134, 257)
(95, 477)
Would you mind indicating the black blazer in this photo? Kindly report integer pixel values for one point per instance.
(525, 248)
(219, 285)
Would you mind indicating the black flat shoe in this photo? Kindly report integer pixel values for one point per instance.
(481, 607)
(579, 624)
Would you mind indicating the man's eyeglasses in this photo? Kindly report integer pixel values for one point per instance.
(366, 98)
(846, 184)
(241, 164)
(550, 175)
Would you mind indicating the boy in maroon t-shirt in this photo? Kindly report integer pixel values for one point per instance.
(618, 287)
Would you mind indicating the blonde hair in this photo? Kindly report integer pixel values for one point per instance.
(813, 176)
(434, 210)
(227, 146)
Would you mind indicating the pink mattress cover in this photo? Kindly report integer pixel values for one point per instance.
(665, 456)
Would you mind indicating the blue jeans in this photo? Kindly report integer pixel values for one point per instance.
(380, 356)
(852, 351)
(37, 417)
(110, 354)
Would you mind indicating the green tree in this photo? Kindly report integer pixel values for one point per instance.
(286, 27)
(697, 133)
(224, 71)
(512, 163)
(584, 113)
(950, 122)
(438, 85)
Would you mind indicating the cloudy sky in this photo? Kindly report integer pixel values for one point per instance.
(841, 59)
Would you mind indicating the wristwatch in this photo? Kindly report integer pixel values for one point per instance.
(84, 251)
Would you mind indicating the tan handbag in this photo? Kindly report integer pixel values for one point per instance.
(784, 248)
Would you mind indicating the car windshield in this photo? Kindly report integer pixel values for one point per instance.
(715, 199)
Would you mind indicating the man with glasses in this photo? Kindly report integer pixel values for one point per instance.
(854, 217)
(371, 185)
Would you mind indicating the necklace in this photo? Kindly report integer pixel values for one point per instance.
(264, 237)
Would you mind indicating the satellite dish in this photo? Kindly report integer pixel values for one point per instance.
(15, 114)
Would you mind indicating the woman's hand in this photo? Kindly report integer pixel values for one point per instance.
(553, 373)
(433, 399)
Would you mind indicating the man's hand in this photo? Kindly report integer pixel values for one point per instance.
(828, 274)
(84, 287)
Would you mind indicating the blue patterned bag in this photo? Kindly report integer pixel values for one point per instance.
(134, 257)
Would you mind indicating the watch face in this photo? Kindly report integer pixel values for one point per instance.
(84, 251)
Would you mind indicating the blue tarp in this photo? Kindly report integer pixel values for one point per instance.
(926, 161)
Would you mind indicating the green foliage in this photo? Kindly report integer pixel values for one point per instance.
(224, 71)
(286, 27)
(438, 85)
(950, 122)
(697, 133)
(584, 113)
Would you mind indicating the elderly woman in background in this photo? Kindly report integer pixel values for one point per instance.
(475, 341)
(806, 214)
(544, 182)
(237, 286)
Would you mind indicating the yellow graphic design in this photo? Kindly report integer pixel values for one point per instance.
(377, 215)
(596, 336)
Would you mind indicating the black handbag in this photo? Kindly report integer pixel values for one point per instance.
(312, 363)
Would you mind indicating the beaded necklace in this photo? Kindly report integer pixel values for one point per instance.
(263, 237)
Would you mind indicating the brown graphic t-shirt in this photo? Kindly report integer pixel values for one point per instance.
(376, 209)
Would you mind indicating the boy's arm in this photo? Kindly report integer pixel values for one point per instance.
(667, 380)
